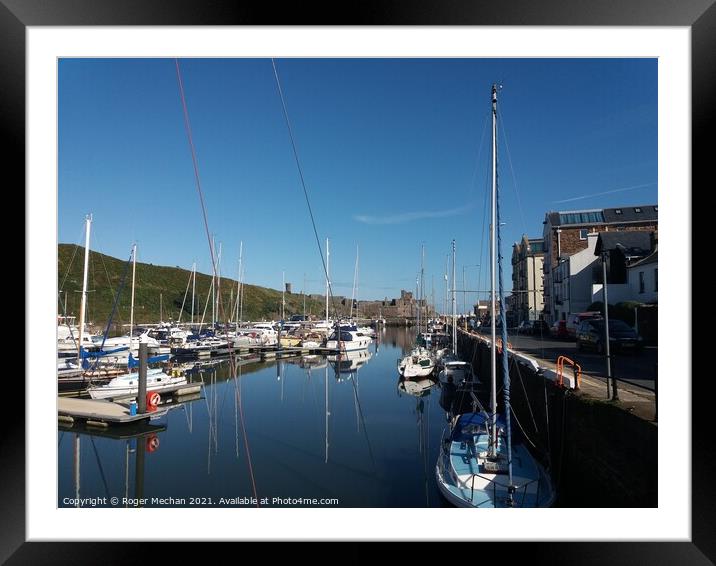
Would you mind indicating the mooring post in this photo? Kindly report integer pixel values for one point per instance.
(142, 391)
(139, 465)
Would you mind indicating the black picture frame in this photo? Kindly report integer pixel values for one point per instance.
(699, 15)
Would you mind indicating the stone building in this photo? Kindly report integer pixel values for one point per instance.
(527, 279)
(404, 307)
(565, 233)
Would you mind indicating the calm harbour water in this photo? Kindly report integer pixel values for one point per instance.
(312, 432)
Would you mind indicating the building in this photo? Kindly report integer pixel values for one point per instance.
(573, 278)
(527, 279)
(405, 307)
(622, 251)
(565, 234)
(643, 278)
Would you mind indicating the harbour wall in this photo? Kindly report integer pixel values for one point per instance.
(599, 454)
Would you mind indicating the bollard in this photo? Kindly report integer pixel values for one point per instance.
(142, 391)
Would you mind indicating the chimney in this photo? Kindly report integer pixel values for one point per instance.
(288, 288)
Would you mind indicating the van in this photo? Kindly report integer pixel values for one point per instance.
(575, 319)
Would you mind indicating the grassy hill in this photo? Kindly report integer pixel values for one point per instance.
(105, 274)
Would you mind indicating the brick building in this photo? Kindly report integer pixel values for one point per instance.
(565, 233)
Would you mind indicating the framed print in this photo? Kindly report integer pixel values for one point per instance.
(75, 62)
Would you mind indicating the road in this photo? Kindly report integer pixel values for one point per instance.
(638, 368)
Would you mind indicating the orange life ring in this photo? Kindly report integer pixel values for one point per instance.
(152, 443)
(153, 399)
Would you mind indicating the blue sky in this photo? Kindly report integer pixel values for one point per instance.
(395, 154)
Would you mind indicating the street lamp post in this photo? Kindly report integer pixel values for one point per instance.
(615, 393)
(464, 287)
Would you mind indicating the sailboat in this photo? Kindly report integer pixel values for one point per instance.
(420, 362)
(479, 465)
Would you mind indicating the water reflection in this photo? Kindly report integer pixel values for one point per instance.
(420, 389)
(309, 426)
(136, 439)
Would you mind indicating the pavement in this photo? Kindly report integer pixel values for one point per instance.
(636, 372)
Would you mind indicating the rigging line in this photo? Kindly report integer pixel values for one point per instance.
(484, 223)
(365, 430)
(514, 178)
(184, 300)
(195, 164)
(524, 389)
(512, 410)
(72, 259)
(109, 281)
(303, 181)
(111, 314)
(187, 126)
(99, 465)
(477, 157)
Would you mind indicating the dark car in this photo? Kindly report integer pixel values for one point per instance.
(590, 334)
(534, 327)
(525, 327)
(540, 328)
(559, 329)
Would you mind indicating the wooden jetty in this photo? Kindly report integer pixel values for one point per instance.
(100, 412)
(103, 412)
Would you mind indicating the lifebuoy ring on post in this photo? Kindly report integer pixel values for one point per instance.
(153, 399)
(152, 443)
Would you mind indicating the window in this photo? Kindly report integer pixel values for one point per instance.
(656, 279)
(618, 211)
(641, 281)
(637, 209)
(583, 234)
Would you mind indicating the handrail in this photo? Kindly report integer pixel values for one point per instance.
(575, 367)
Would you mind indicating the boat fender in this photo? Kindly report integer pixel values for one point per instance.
(153, 399)
(152, 443)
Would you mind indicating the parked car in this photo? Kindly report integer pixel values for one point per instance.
(590, 334)
(534, 327)
(558, 329)
(575, 319)
(524, 327)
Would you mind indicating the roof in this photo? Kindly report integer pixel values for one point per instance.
(636, 242)
(653, 258)
(642, 213)
(617, 215)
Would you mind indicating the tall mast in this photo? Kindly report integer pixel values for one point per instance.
(83, 304)
(213, 280)
(241, 309)
(218, 286)
(238, 282)
(283, 295)
(355, 277)
(454, 305)
(503, 317)
(493, 274)
(422, 282)
(193, 290)
(328, 283)
(445, 304)
(131, 308)
(304, 296)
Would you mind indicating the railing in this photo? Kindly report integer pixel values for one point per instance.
(575, 367)
(509, 488)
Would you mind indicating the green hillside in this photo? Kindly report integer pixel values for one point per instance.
(105, 274)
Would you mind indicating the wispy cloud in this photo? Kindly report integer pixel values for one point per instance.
(410, 216)
(606, 193)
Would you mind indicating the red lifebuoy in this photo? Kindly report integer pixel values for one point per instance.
(153, 399)
(152, 443)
